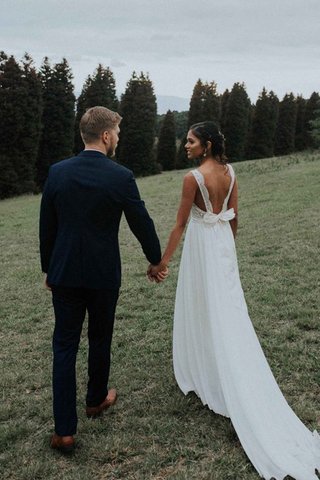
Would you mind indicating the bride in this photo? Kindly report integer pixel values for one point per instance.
(216, 352)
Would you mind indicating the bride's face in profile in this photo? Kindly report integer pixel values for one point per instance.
(193, 146)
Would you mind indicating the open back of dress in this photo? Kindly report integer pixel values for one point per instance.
(217, 355)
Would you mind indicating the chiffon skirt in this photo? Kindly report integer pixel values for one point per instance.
(217, 355)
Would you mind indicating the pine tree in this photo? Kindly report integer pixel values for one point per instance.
(138, 109)
(236, 123)
(99, 89)
(182, 160)
(181, 121)
(195, 115)
(312, 106)
(315, 128)
(57, 136)
(263, 127)
(205, 104)
(196, 104)
(300, 134)
(10, 119)
(248, 144)
(212, 103)
(20, 110)
(285, 132)
(166, 149)
(29, 144)
(48, 97)
(224, 98)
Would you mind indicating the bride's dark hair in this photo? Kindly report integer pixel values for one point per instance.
(209, 132)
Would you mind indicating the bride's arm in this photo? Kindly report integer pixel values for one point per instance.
(233, 203)
(189, 189)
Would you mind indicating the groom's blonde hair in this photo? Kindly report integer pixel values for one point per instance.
(97, 120)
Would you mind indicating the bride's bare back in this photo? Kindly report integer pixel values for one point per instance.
(217, 180)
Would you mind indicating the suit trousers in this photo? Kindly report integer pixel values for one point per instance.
(70, 307)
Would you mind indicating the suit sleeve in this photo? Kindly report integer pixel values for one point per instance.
(47, 226)
(140, 223)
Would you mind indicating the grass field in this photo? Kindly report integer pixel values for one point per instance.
(155, 432)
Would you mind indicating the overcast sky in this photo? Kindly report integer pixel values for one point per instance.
(271, 43)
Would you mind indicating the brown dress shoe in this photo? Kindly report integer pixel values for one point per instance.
(111, 398)
(63, 444)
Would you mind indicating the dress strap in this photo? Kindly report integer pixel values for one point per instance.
(203, 189)
(233, 177)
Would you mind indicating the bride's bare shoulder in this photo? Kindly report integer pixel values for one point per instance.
(189, 181)
(189, 175)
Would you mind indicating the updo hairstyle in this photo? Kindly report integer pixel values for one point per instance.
(209, 132)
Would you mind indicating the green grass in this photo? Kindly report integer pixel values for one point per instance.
(155, 432)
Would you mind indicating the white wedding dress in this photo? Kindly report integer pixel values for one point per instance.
(217, 355)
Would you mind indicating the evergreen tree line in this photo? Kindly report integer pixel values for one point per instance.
(268, 128)
(39, 121)
(36, 122)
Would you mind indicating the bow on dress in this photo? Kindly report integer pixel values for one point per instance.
(224, 216)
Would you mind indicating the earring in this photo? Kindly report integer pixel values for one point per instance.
(204, 153)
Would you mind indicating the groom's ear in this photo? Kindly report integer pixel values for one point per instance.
(105, 136)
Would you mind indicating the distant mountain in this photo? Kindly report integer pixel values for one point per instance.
(166, 103)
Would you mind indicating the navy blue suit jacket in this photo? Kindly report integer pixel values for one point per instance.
(81, 208)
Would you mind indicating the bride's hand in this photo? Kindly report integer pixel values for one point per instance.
(157, 273)
(162, 275)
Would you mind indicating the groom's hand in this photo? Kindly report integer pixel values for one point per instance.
(46, 284)
(157, 273)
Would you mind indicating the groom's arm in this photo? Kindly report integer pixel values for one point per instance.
(140, 222)
(47, 226)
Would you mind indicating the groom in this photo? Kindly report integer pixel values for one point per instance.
(81, 208)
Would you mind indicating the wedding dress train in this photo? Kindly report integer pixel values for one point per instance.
(217, 355)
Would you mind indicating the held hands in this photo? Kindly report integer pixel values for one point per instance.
(157, 273)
